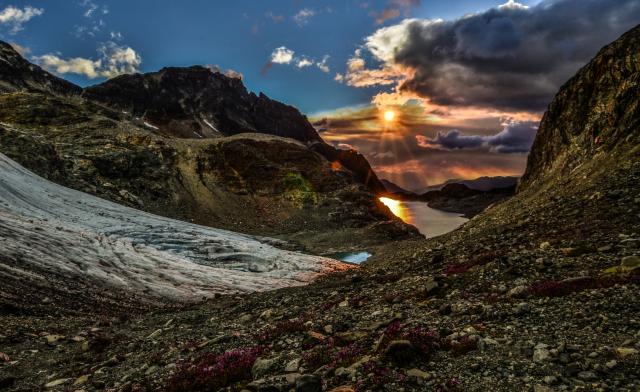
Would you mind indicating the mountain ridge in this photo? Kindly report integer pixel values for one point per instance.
(185, 102)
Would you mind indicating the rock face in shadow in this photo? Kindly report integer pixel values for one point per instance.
(196, 102)
(17, 74)
(596, 113)
(352, 160)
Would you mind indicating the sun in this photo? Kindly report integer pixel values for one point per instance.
(389, 115)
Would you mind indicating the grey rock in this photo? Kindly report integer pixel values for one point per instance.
(262, 366)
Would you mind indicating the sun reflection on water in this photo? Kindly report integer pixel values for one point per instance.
(398, 208)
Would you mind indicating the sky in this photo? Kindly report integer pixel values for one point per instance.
(463, 83)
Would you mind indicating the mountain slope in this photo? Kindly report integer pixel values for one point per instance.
(17, 74)
(196, 102)
(595, 114)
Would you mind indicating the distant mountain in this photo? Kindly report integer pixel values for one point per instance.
(480, 183)
(453, 197)
(394, 188)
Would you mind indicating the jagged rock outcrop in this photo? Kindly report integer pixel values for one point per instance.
(595, 115)
(196, 102)
(17, 74)
(192, 102)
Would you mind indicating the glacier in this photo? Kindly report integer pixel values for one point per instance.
(46, 228)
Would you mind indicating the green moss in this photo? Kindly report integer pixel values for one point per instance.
(299, 190)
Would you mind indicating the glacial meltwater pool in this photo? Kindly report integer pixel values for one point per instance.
(429, 221)
(351, 257)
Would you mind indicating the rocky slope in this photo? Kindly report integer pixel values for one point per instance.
(17, 74)
(537, 294)
(596, 114)
(197, 102)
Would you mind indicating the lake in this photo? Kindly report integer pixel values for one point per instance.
(429, 221)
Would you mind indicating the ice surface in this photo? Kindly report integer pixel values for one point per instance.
(46, 228)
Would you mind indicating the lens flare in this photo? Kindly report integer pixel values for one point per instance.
(389, 115)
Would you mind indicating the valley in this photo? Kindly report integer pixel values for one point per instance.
(154, 242)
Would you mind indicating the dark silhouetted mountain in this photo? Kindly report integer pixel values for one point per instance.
(17, 74)
(196, 102)
(485, 183)
(394, 188)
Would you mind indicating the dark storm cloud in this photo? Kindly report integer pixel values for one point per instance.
(516, 137)
(451, 140)
(509, 58)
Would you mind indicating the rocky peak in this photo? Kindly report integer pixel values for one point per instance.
(18, 74)
(196, 102)
(595, 115)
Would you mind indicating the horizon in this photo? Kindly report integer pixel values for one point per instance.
(426, 92)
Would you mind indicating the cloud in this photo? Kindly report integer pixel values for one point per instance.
(115, 35)
(450, 140)
(118, 60)
(230, 73)
(302, 17)
(282, 55)
(92, 9)
(285, 56)
(515, 137)
(113, 60)
(322, 65)
(304, 62)
(94, 13)
(15, 17)
(345, 146)
(76, 65)
(510, 58)
(358, 75)
(393, 10)
(89, 30)
(384, 155)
